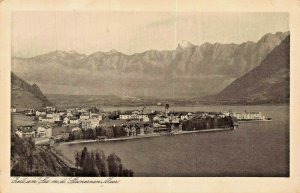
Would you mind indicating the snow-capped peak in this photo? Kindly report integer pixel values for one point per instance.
(185, 44)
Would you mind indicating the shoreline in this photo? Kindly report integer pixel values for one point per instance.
(250, 121)
(145, 136)
(177, 105)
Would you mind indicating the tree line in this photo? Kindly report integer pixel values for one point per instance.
(207, 123)
(95, 163)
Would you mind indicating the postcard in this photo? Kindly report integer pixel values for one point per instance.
(126, 96)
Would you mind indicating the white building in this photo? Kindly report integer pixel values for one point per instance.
(57, 117)
(250, 116)
(94, 122)
(156, 118)
(49, 115)
(74, 120)
(184, 117)
(84, 116)
(50, 109)
(144, 117)
(40, 113)
(45, 119)
(13, 110)
(125, 116)
(62, 113)
(25, 132)
(226, 113)
(69, 114)
(44, 131)
(134, 116)
(174, 119)
(66, 120)
(82, 111)
(86, 124)
(164, 120)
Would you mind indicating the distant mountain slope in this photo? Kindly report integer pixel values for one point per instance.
(267, 83)
(24, 95)
(187, 71)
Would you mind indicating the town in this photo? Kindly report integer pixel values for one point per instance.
(76, 124)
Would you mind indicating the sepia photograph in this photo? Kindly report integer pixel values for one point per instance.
(150, 94)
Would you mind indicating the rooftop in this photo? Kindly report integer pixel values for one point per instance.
(46, 126)
(26, 128)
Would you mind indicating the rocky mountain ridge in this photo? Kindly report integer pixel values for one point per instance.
(25, 95)
(267, 83)
(187, 71)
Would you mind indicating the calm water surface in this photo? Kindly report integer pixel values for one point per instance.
(255, 149)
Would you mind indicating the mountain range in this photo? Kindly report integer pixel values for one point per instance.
(187, 71)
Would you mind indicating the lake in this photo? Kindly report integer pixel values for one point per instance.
(254, 149)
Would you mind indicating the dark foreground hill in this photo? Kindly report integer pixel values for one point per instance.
(267, 83)
(29, 160)
(24, 95)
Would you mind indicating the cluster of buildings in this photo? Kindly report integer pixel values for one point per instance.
(136, 115)
(126, 123)
(29, 131)
(87, 117)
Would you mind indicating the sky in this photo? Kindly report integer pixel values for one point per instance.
(39, 32)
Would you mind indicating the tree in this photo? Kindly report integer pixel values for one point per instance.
(113, 162)
(83, 158)
(98, 131)
(101, 164)
(86, 167)
(96, 164)
(131, 173)
(89, 134)
(96, 171)
(104, 167)
(120, 170)
(125, 172)
(77, 160)
(31, 142)
(71, 136)
(92, 170)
